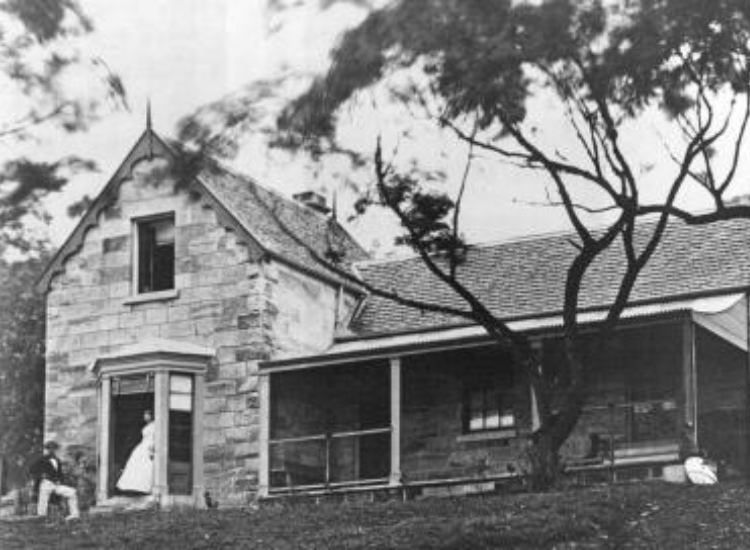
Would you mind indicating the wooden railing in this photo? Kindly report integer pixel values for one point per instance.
(327, 460)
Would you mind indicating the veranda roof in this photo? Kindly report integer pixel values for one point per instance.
(722, 314)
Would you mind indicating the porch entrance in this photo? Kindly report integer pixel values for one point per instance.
(131, 397)
(167, 378)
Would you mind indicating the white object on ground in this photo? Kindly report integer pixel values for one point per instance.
(700, 472)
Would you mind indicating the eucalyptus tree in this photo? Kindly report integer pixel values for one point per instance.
(481, 70)
(50, 84)
(612, 68)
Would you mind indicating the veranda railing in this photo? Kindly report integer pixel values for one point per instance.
(328, 460)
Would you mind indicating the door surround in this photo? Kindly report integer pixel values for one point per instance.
(160, 358)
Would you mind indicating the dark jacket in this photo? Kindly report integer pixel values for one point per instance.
(44, 468)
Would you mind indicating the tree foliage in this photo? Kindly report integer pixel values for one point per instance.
(479, 68)
(41, 71)
(21, 363)
(479, 56)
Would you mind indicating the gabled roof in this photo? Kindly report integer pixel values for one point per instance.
(278, 226)
(281, 225)
(525, 278)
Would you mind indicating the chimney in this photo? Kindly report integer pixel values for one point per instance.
(313, 200)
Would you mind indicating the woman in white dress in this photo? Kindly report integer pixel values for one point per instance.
(138, 475)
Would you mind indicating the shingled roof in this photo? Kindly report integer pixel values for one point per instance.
(525, 278)
(280, 226)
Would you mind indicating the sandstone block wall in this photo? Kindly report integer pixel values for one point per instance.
(246, 310)
(433, 443)
(304, 312)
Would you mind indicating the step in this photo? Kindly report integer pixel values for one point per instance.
(124, 504)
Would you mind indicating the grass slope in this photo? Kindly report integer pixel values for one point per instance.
(632, 516)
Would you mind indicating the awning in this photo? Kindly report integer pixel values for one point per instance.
(724, 315)
(153, 346)
(729, 323)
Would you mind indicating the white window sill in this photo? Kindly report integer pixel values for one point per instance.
(507, 433)
(159, 296)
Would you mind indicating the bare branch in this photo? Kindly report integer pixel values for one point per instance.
(557, 204)
(722, 187)
(32, 120)
(517, 343)
(552, 170)
(459, 200)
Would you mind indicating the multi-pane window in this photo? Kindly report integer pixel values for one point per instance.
(488, 400)
(156, 254)
(489, 409)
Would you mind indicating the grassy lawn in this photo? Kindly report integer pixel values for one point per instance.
(634, 516)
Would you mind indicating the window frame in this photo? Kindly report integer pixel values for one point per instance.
(497, 386)
(137, 223)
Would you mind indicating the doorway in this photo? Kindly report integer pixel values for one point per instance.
(131, 396)
(168, 378)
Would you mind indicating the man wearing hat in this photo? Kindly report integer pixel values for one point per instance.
(48, 473)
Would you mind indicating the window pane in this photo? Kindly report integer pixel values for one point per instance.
(179, 465)
(164, 267)
(507, 420)
(477, 421)
(140, 383)
(477, 401)
(492, 420)
(181, 383)
(156, 255)
(163, 232)
(180, 402)
(145, 258)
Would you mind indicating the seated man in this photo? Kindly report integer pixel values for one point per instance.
(47, 472)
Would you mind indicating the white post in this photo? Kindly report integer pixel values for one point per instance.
(535, 420)
(161, 435)
(105, 404)
(690, 379)
(264, 412)
(395, 477)
(197, 450)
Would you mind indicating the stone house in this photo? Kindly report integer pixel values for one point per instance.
(198, 294)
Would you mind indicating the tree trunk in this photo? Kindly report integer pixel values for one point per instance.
(545, 465)
(544, 462)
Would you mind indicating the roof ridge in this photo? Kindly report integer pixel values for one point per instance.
(483, 244)
(541, 236)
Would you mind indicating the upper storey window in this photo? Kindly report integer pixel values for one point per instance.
(155, 254)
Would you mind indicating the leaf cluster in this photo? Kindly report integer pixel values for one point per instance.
(24, 184)
(39, 56)
(485, 57)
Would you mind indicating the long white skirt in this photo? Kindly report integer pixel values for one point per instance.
(139, 471)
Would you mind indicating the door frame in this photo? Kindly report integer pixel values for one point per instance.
(161, 358)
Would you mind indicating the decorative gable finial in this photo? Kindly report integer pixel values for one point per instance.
(149, 130)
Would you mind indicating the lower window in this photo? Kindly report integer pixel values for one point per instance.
(488, 400)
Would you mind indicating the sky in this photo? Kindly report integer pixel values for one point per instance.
(182, 54)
